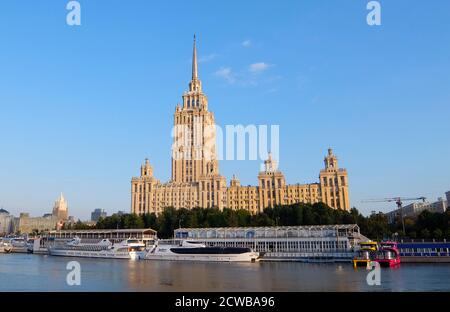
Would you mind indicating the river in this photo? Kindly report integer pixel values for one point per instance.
(28, 272)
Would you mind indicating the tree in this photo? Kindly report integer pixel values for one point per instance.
(230, 217)
(215, 218)
(308, 216)
(437, 233)
(167, 222)
(377, 226)
(243, 217)
(262, 219)
(425, 233)
(132, 221)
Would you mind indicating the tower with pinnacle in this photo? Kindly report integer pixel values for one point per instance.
(195, 178)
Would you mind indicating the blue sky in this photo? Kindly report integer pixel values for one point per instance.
(81, 107)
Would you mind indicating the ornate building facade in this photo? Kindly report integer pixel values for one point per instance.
(60, 209)
(196, 182)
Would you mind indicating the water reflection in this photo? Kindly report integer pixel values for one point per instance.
(45, 273)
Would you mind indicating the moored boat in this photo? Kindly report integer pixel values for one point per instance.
(128, 249)
(20, 245)
(366, 254)
(191, 251)
(388, 255)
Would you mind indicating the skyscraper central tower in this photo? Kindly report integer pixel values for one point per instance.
(194, 138)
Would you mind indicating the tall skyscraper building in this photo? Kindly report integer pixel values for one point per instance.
(60, 209)
(196, 181)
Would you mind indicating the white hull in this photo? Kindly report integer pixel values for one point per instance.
(133, 255)
(40, 251)
(20, 250)
(245, 257)
(189, 251)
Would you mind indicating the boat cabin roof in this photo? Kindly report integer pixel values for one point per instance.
(106, 233)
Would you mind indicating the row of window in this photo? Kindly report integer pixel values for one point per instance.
(329, 181)
(193, 102)
(299, 246)
(425, 250)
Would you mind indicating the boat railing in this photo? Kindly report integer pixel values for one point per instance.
(422, 240)
(310, 254)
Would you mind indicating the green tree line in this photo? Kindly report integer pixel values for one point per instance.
(375, 226)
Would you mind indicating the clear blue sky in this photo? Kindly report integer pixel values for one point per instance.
(81, 107)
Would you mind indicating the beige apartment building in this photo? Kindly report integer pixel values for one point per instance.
(196, 181)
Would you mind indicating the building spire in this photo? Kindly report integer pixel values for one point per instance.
(194, 62)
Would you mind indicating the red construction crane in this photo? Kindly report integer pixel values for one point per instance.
(399, 201)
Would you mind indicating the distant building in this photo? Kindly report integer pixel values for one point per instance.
(97, 214)
(121, 213)
(448, 198)
(61, 210)
(414, 209)
(48, 222)
(439, 206)
(27, 224)
(6, 222)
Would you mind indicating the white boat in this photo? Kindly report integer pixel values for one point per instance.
(5, 247)
(191, 251)
(127, 249)
(42, 243)
(20, 245)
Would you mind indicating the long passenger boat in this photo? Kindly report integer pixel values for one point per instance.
(128, 249)
(191, 251)
(116, 236)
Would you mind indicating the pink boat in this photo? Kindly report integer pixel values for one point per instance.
(388, 255)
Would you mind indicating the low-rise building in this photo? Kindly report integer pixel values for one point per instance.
(29, 224)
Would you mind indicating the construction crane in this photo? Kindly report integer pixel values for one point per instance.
(399, 201)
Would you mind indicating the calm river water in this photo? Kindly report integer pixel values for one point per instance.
(27, 272)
